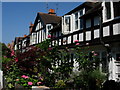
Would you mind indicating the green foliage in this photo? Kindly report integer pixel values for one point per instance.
(44, 45)
(11, 75)
(54, 64)
(60, 84)
(5, 50)
(98, 76)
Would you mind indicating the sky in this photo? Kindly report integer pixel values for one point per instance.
(16, 16)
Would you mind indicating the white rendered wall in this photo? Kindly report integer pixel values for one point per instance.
(106, 31)
(88, 35)
(116, 29)
(96, 33)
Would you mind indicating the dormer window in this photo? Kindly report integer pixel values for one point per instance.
(79, 22)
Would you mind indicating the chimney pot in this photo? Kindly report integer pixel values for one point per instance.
(51, 12)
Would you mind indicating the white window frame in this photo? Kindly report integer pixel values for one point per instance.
(64, 26)
(79, 28)
(104, 12)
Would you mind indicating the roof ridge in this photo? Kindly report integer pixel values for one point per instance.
(49, 14)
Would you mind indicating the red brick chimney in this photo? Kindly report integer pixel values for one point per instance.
(31, 27)
(51, 12)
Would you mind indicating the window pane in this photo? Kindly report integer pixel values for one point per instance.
(76, 24)
(81, 23)
(67, 23)
(108, 10)
(81, 12)
(76, 16)
(116, 6)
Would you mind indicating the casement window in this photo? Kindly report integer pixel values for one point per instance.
(79, 22)
(67, 22)
(33, 38)
(116, 6)
(108, 10)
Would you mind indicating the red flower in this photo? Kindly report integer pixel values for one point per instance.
(5, 56)
(38, 83)
(16, 59)
(95, 54)
(76, 41)
(49, 36)
(12, 53)
(49, 48)
(23, 76)
(77, 44)
(30, 83)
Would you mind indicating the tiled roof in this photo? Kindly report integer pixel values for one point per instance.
(92, 11)
(83, 5)
(18, 38)
(48, 18)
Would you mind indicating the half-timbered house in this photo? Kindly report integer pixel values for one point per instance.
(96, 24)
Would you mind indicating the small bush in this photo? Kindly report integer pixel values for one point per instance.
(60, 84)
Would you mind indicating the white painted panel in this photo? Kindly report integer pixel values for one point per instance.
(88, 23)
(42, 35)
(15, 47)
(74, 37)
(37, 27)
(39, 36)
(81, 37)
(88, 35)
(106, 31)
(69, 39)
(116, 29)
(96, 33)
(31, 40)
